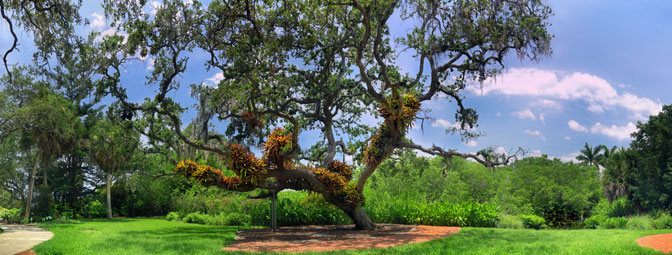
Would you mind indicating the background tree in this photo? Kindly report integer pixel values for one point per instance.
(112, 146)
(306, 65)
(651, 179)
(46, 121)
(590, 155)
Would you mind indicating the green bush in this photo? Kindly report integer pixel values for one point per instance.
(614, 222)
(533, 221)
(173, 216)
(663, 221)
(95, 209)
(621, 207)
(237, 219)
(196, 217)
(640, 222)
(11, 216)
(509, 221)
(594, 221)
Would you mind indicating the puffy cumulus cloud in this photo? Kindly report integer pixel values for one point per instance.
(598, 93)
(573, 125)
(215, 79)
(524, 114)
(471, 143)
(571, 157)
(618, 132)
(535, 133)
(500, 150)
(446, 124)
(546, 104)
(441, 123)
(98, 21)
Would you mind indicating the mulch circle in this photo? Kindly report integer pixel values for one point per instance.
(26, 252)
(661, 242)
(334, 237)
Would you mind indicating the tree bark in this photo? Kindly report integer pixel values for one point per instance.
(274, 218)
(31, 185)
(109, 196)
(361, 219)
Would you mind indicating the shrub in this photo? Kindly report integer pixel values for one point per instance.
(615, 222)
(173, 216)
(196, 217)
(11, 216)
(595, 221)
(237, 219)
(509, 221)
(532, 221)
(640, 222)
(95, 209)
(621, 207)
(663, 221)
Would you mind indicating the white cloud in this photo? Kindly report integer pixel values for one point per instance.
(546, 104)
(98, 21)
(155, 5)
(535, 133)
(591, 89)
(594, 108)
(215, 79)
(499, 114)
(471, 143)
(571, 157)
(573, 125)
(150, 64)
(618, 132)
(500, 150)
(568, 138)
(441, 123)
(534, 153)
(524, 114)
(542, 117)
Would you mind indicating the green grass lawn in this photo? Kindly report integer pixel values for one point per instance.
(155, 236)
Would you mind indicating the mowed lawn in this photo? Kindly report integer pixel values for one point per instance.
(156, 236)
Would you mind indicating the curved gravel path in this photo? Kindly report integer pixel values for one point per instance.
(18, 238)
(281, 244)
(662, 242)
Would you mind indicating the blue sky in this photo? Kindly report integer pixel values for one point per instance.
(611, 67)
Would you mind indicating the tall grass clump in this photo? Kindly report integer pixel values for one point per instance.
(509, 221)
(663, 221)
(640, 222)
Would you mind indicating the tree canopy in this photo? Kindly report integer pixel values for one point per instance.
(293, 66)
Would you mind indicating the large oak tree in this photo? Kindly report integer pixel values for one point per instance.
(292, 66)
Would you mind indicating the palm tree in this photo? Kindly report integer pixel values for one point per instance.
(47, 121)
(590, 155)
(606, 155)
(112, 147)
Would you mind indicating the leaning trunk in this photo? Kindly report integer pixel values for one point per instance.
(109, 197)
(361, 219)
(31, 185)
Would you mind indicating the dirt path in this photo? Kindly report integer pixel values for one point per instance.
(661, 242)
(329, 238)
(18, 238)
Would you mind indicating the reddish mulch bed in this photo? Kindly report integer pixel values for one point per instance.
(657, 242)
(26, 252)
(334, 237)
